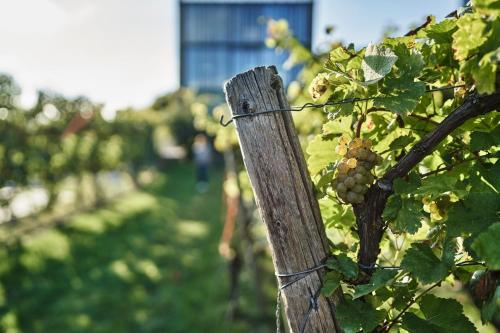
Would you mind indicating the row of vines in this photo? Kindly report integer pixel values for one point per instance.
(61, 139)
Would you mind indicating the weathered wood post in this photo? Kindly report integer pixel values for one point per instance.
(284, 194)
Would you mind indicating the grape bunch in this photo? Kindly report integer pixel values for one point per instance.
(354, 175)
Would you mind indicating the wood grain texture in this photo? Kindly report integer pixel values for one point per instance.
(283, 192)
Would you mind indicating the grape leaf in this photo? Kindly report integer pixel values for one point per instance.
(485, 141)
(339, 54)
(492, 175)
(441, 315)
(341, 125)
(401, 142)
(410, 62)
(400, 97)
(441, 32)
(484, 75)
(487, 6)
(424, 264)
(474, 214)
(407, 186)
(380, 278)
(377, 63)
(414, 324)
(321, 153)
(489, 307)
(486, 246)
(334, 214)
(405, 213)
(436, 185)
(469, 35)
(343, 264)
(331, 283)
(355, 315)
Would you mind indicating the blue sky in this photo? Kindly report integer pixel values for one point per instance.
(124, 52)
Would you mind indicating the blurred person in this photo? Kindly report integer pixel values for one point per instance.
(202, 157)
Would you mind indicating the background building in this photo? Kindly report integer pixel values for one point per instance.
(222, 38)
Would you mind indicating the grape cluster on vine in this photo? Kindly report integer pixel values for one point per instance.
(354, 175)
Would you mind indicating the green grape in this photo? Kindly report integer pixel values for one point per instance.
(341, 187)
(349, 182)
(352, 196)
(359, 178)
(358, 188)
(362, 154)
(369, 179)
(361, 169)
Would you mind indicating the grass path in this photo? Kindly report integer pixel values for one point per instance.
(147, 263)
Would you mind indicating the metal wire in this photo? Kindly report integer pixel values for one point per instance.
(313, 298)
(317, 106)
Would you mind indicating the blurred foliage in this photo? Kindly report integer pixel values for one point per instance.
(61, 137)
(142, 264)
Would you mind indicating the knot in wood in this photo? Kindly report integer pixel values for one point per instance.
(246, 107)
(275, 82)
(385, 185)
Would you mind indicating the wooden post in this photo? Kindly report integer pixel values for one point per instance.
(284, 194)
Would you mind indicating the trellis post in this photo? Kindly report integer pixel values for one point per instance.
(284, 196)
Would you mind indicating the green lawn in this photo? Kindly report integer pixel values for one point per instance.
(146, 263)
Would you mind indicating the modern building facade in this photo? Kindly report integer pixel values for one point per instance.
(219, 39)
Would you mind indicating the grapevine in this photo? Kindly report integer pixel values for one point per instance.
(406, 174)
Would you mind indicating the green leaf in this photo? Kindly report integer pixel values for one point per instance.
(490, 306)
(469, 36)
(334, 214)
(339, 54)
(492, 175)
(485, 141)
(377, 63)
(343, 264)
(400, 97)
(401, 142)
(392, 208)
(331, 283)
(441, 315)
(414, 324)
(424, 264)
(491, 7)
(441, 32)
(474, 214)
(410, 62)
(407, 186)
(321, 153)
(380, 278)
(405, 213)
(486, 246)
(436, 185)
(484, 75)
(446, 314)
(341, 125)
(325, 179)
(355, 315)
